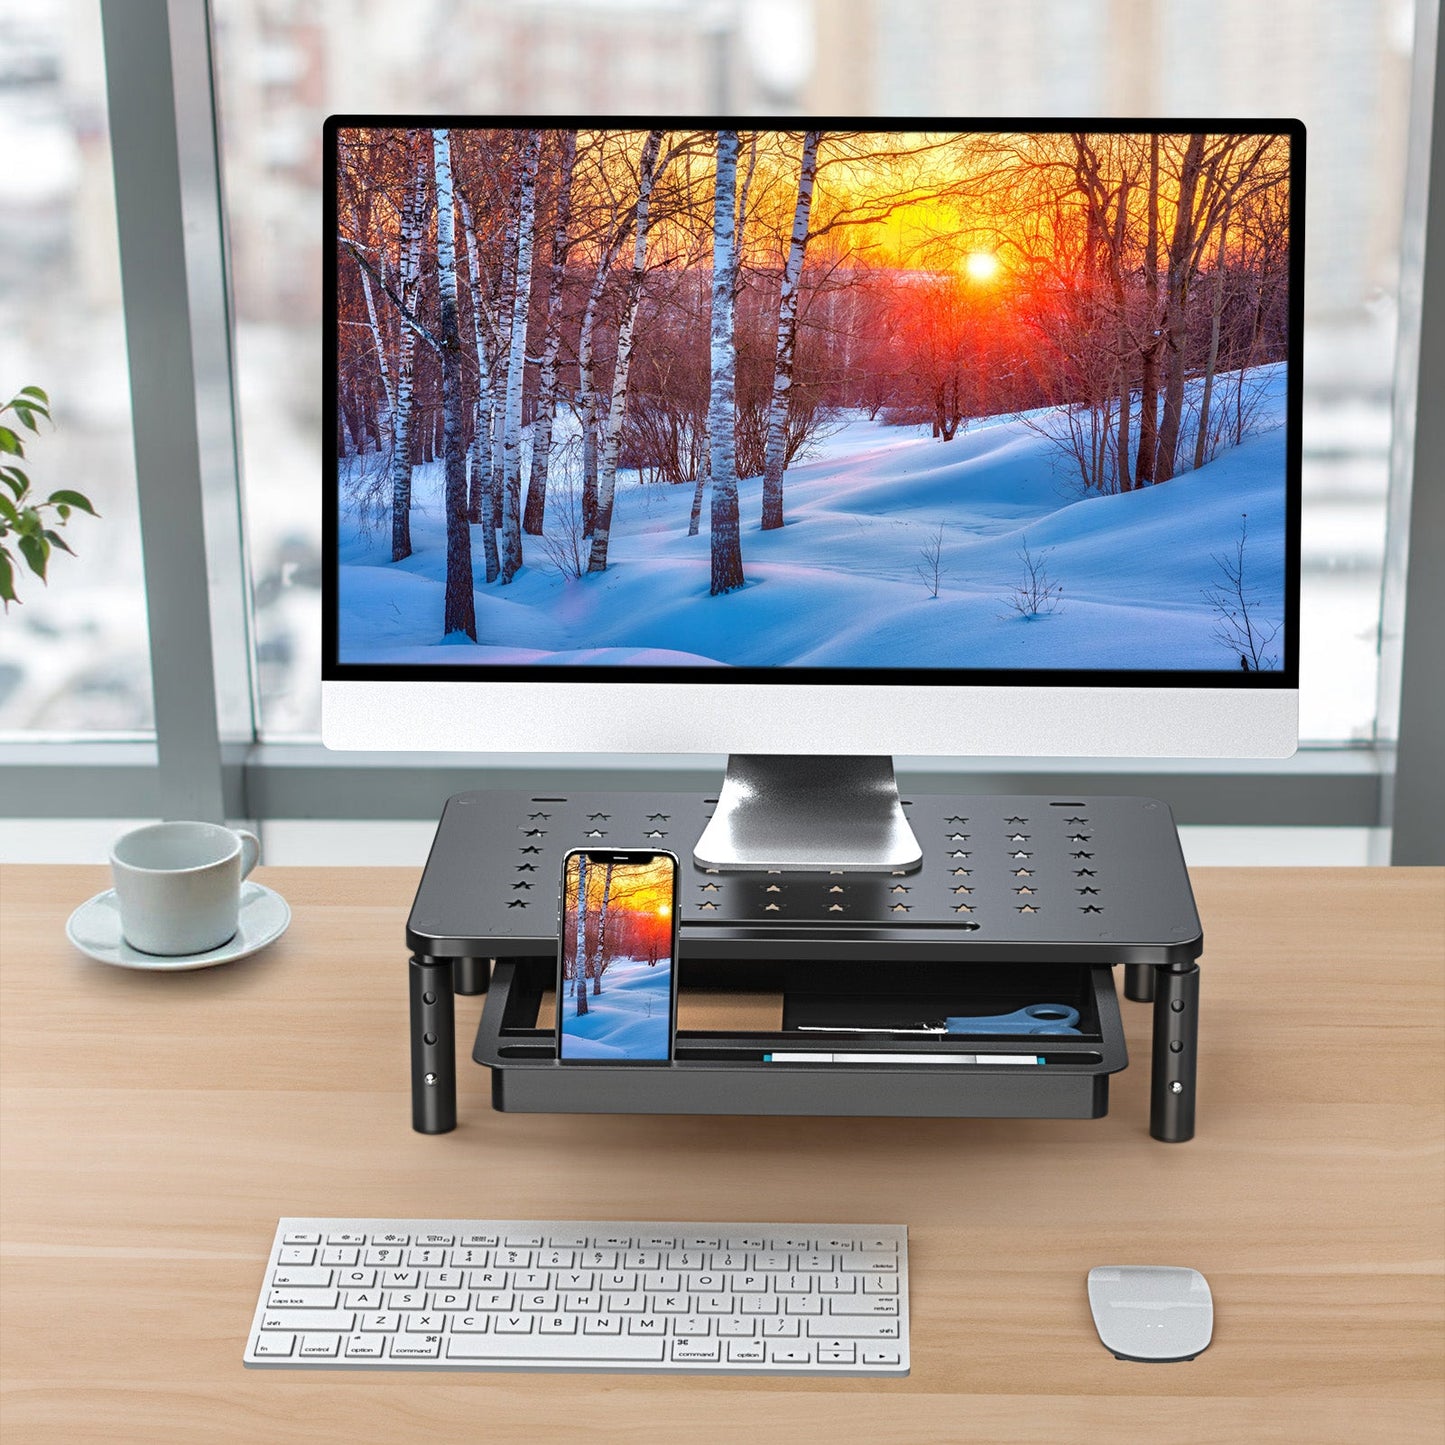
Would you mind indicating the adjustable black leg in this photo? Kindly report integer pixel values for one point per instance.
(1139, 982)
(1176, 1039)
(472, 975)
(433, 1046)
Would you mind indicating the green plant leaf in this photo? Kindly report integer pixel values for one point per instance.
(7, 580)
(36, 551)
(37, 392)
(11, 443)
(72, 499)
(16, 480)
(8, 511)
(56, 540)
(27, 417)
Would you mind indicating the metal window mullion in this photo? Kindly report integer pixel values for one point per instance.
(1414, 602)
(146, 151)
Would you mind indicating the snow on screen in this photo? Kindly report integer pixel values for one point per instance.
(616, 1003)
(979, 417)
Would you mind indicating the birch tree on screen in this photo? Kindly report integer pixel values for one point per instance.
(777, 446)
(480, 478)
(410, 279)
(517, 361)
(727, 559)
(534, 513)
(459, 607)
(612, 437)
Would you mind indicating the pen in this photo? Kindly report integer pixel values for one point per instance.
(852, 1058)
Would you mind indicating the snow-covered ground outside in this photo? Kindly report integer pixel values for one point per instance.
(840, 584)
(630, 1019)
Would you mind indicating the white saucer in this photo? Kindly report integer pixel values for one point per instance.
(94, 928)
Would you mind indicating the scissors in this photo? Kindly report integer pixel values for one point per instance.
(1036, 1018)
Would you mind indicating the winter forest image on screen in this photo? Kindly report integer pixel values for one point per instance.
(615, 1000)
(811, 398)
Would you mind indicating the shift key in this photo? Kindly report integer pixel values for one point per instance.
(860, 1328)
(339, 1321)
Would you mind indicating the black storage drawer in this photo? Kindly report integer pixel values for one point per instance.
(726, 1071)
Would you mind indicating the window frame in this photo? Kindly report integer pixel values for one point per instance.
(210, 762)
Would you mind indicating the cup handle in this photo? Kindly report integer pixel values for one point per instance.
(250, 851)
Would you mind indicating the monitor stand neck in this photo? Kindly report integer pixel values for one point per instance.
(808, 814)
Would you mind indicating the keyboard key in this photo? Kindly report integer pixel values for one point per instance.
(300, 1237)
(542, 1302)
(442, 1279)
(558, 1325)
(737, 1325)
(450, 1300)
(863, 1304)
(471, 1324)
(611, 1241)
(319, 1347)
(747, 1352)
(695, 1351)
(692, 1325)
(343, 1254)
(315, 1320)
(602, 1325)
(838, 1356)
(494, 1299)
(871, 1263)
(391, 1238)
(557, 1258)
(816, 1263)
(881, 1357)
(303, 1299)
(300, 1276)
(856, 1328)
(435, 1239)
(646, 1325)
(759, 1304)
(429, 1257)
(793, 1283)
(480, 1241)
(838, 1284)
(531, 1279)
(365, 1347)
(345, 1236)
(416, 1347)
(380, 1322)
(880, 1284)
(274, 1344)
(768, 1260)
(512, 1258)
(790, 1355)
(296, 1254)
(782, 1327)
(405, 1299)
(401, 1279)
(510, 1324)
(712, 1304)
(803, 1304)
(585, 1348)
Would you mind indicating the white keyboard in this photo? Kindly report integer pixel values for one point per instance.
(510, 1294)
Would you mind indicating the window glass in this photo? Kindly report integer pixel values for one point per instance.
(1342, 66)
(74, 652)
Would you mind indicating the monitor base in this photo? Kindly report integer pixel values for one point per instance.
(808, 815)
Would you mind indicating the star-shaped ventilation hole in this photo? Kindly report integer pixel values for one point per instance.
(1027, 908)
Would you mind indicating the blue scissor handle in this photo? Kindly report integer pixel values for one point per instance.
(1037, 1018)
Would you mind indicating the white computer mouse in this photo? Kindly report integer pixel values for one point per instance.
(1151, 1312)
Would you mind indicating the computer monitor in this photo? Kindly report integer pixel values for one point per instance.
(813, 442)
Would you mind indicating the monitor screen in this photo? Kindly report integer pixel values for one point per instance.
(1006, 402)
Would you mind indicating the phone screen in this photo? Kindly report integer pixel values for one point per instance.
(617, 981)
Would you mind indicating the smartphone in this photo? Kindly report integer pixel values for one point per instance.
(617, 956)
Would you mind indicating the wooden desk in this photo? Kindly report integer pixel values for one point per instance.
(155, 1127)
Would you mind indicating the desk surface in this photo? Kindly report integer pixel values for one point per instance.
(155, 1127)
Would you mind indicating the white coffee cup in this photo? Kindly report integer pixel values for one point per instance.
(179, 885)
